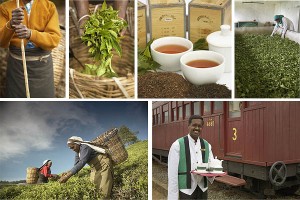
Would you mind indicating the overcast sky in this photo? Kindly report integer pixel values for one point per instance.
(31, 132)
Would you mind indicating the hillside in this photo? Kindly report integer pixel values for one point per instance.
(130, 181)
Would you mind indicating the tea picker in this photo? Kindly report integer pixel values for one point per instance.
(100, 154)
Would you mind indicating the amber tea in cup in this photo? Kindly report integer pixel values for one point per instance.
(171, 49)
(202, 63)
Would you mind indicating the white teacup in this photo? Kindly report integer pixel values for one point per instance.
(169, 62)
(201, 76)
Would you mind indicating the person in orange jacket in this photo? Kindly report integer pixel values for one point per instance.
(37, 23)
(45, 172)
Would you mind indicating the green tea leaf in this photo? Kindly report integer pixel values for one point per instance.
(145, 61)
(101, 35)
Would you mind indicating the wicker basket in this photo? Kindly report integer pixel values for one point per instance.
(58, 56)
(3, 65)
(113, 143)
(32, 175)
(88, 86)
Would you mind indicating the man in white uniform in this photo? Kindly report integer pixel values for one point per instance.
(282, 25)
(184, 156)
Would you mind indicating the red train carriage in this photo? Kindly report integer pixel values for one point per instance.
(258, 141)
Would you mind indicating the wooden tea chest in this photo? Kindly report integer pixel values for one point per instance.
(206, 16)
(142, 25)
(167, 18)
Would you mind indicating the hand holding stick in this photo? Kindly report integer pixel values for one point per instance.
(24, 63)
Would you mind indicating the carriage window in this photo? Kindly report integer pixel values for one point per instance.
(153, 119)
(235, 109)
(174, 115)
(165, 117)
(155, 116)
(158, 117)
(196, 108)
(207, 108)
(218, 106)
(187, 110)
(180, 112)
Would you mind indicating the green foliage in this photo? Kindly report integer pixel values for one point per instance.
(200, 44)
(131, 177)
(127, 135)
(10, 192)
(101, 35)
(266, 67)
(146, 62)
(130, 182)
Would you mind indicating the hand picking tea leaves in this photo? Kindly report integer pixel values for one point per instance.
(102, 35)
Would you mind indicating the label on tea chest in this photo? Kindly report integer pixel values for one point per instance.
(142, 30)
(203, 21)
(206, 16)
(167, 18)
(167, 21)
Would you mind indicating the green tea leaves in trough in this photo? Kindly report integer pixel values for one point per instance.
(146, 62)
(101, 35)
(266, 67)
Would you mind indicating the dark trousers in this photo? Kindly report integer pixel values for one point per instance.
(197, 194)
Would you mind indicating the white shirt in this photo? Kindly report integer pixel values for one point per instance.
(287, 24)
(173, 162)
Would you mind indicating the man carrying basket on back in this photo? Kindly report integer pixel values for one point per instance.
(97, 159)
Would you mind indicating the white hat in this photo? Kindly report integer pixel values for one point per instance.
(73, 139)
(45, 161)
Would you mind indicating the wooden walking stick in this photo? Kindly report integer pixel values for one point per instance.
(24, 63)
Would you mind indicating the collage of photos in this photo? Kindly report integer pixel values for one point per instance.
(150, 99)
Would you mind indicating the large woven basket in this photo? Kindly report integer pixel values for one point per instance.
(113, 143)
(3, 65)
(88, 86)
(58, 56)
(32, 175)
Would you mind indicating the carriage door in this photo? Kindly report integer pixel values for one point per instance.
(233, 133)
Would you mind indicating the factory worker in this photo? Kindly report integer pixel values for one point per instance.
(282, 25)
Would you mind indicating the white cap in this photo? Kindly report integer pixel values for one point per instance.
(45, 161)
(73, 139)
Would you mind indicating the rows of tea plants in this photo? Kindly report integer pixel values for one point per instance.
(130, 182)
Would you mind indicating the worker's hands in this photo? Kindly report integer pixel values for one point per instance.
(55, 176)
(81, 25)
(17, 17)
(123, 32)
(22, 31)
(64, 173)
(65, 177)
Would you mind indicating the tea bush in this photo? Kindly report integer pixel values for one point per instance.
(266, 67)
(130, 182)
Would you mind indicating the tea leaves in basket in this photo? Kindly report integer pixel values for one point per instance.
(102, 36)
